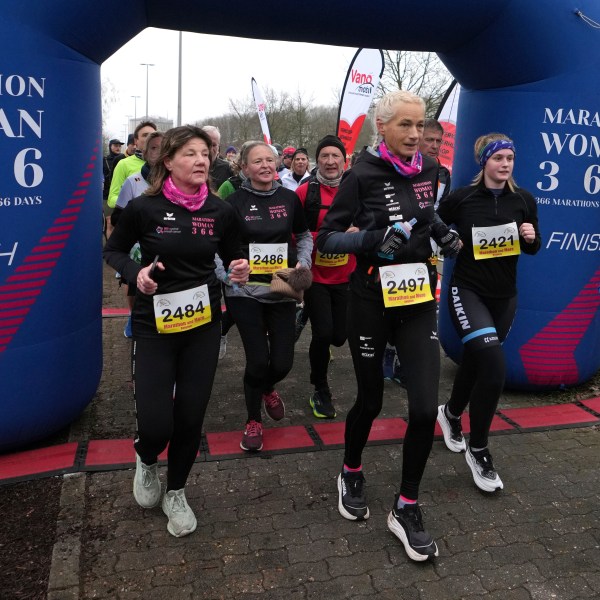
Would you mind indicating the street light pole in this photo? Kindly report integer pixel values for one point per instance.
(135, 98)
(179, 81)
(147, 65)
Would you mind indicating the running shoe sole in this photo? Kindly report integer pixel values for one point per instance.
(250, 449)
(447, 432)
(399, 532)
(342, 509)
(484, 485)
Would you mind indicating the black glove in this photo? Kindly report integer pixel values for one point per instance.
(449, 244)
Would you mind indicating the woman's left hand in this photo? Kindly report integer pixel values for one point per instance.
(527, 232)
(239, 271)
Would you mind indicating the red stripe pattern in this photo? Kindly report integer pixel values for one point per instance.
(20, 290)
(549, 356)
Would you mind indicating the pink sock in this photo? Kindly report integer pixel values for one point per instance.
(348, 469)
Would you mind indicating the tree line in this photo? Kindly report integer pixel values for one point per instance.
(294, 120)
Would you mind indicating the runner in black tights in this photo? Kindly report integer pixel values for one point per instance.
(496, 221)
(176, 316)
(391, 294)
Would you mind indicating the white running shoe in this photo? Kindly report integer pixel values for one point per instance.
(182, 520)
(452, 430)
(482, 467)
(146, 485)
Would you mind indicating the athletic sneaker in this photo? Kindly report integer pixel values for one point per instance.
(274, 405)
(182, 520)
(389, 356)
(127, 332)
(352, 499)
(146, 485)
(252, 440)
(452, 430)
(482, 467)
(407, 525)
(223, 347)
(321, 404)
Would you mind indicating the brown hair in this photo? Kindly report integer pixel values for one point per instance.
(173, 140)
(480, 143)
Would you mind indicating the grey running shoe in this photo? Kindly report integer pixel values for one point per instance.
(146, 485)
(182, 520)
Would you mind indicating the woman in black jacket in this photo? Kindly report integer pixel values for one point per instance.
(176, 316)
(389, 197)
(496, 221)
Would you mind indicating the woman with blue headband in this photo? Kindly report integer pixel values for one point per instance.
(496, 221)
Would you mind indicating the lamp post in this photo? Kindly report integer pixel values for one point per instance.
(135, 98)
(147, 65)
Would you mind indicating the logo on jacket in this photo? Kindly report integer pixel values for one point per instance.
(169, 217)
(253, 207)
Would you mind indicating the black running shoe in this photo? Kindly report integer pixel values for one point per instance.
(322, 405)
(407, 525)
(352, 502)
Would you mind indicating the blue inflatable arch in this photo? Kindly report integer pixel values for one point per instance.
(529, 69)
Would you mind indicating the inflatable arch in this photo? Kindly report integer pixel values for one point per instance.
(528, 69)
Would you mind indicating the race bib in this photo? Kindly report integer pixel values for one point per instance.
(268, 258)
(403, 285)
(180, 311)
(331, 260)
(495, 242)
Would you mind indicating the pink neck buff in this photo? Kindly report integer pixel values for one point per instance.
(404, 168)
(191, 202)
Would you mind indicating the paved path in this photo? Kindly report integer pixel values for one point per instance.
(268, 526)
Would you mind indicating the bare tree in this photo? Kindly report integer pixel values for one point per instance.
(421, 73)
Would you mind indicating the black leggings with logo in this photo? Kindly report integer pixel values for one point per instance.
(482, 324)
(416, 341)
(186, 361)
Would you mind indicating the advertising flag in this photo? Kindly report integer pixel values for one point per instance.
(361, 82)
(261, 107)
(446, 115)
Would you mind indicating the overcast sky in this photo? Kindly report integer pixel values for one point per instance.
(216, 68)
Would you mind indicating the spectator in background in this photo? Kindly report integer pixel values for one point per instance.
(132, 164)
(220, 170)
(114, 151)
(430, 145)
(231, 153)
(298, 172)
(129, 150)
(286, 160)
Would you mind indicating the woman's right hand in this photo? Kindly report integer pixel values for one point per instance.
(145, 283)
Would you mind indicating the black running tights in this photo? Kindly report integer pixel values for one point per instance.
(188, 361)
(416, 341)
(267, 332)
(326, 307)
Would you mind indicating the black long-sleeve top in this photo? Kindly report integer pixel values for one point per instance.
(476, 206)
(186, 243)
